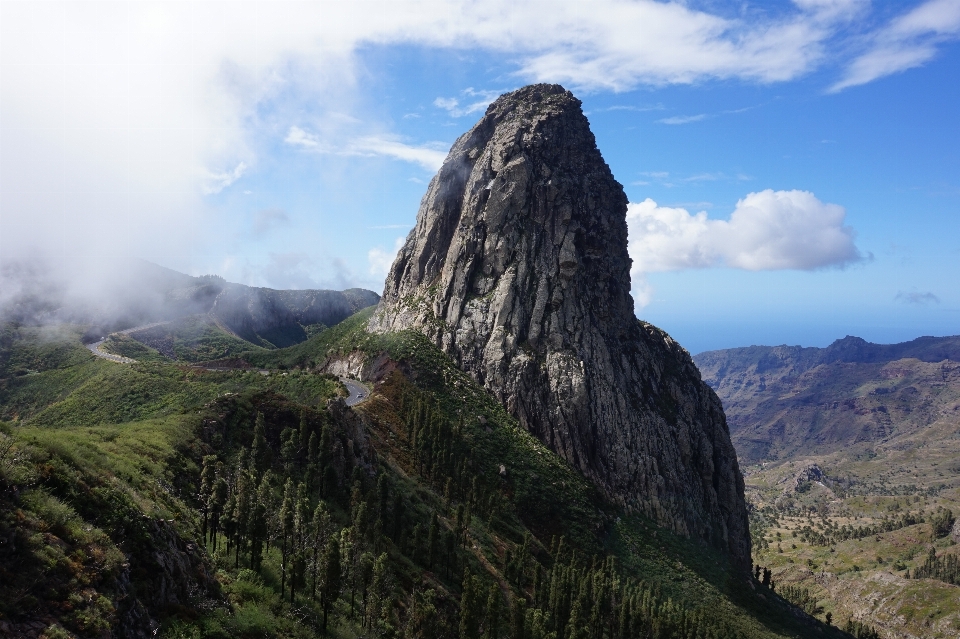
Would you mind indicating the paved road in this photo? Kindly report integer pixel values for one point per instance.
(95, 347)
(358, 392)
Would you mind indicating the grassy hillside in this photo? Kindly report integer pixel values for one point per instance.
(158, 496)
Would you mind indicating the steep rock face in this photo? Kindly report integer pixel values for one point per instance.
(518, 268)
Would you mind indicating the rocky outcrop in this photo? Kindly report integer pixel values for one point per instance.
(168, 574)
(811, 473)
(518, 269)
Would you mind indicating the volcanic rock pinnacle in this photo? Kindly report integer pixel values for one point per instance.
(518, 269)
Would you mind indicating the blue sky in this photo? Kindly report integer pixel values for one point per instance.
(792, 167)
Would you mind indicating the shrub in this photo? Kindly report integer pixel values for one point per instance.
(942, 522)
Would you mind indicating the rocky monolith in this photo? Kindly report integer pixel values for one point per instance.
(518, 269)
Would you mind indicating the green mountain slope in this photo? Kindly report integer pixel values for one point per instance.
(195, 503)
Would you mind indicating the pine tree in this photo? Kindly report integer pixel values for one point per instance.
(228, 521)
(262, 520)
(216, 503)
(244, 496)
(320, 528)
(326, 444)
(260, 451)
(286, 528)
(362, 578)
(471, 612)
(397, 516)
(313, 450)
(289, 448)
(432, 541)
(207, 478)
(416, 541)
(257, 530)
(493, 613)
(518, 619)
(304, 435)
(330, 590)
(301, 515)
(451, 552)
(378, 599)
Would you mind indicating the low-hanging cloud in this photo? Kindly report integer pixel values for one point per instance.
(769, 230)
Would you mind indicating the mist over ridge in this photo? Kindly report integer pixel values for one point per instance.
(125, 293)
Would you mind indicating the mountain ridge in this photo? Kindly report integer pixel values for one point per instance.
(851, 393)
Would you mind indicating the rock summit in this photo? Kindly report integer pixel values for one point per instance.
(518, 269)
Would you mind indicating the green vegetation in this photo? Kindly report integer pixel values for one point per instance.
(238, 504)
(192, 339)
(875, 528)
(879, 423)
(945, 568)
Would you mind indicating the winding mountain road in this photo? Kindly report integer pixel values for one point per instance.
(119, 359)
(358, 392)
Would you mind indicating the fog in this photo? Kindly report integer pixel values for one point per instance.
(124, 126)
(111, 293)
(119, 125)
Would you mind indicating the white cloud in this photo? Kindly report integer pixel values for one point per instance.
(430, 157)
(908, 41)
(769, 230)
(476, 101)
(216, 182)
(117, 119)
(298, 270)
(916, 298)
(683, 119)
(380, 260)
(298, 137)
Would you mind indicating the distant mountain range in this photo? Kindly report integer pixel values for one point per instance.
(137, 293)
(782, 401)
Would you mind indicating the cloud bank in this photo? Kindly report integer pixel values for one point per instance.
(769, 230)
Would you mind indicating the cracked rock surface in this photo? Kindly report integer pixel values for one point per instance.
(518, 269)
